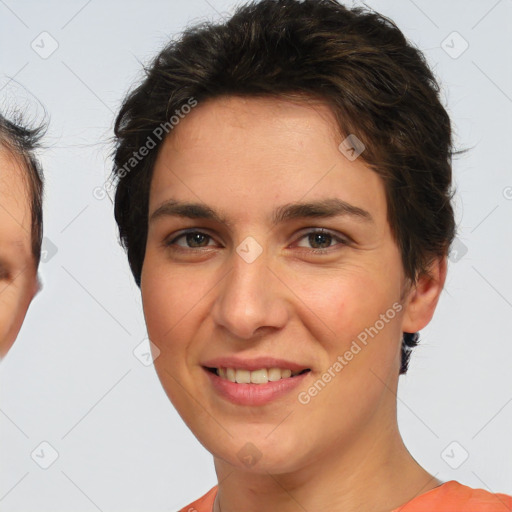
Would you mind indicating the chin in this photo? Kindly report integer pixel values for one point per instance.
(258, 453)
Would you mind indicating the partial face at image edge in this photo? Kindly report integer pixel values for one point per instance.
(18, 269)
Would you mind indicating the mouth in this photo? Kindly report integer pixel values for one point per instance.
(259, 376)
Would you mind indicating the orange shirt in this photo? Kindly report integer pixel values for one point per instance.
(448, 497)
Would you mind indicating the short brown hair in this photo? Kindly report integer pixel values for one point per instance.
(378, 85)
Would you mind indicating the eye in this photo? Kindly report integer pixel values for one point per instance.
(4, 272)
(321, 238)
(193, 240)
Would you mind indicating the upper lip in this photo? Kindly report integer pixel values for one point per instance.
(253, 364)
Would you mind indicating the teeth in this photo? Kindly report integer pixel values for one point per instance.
(261, 376)
(274, 374)
(243, 376)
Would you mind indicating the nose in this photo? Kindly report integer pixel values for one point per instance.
(251, 300)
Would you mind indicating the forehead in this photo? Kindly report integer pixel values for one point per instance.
(245, 153)
(13, 178)
(15, 210)
(269, 121)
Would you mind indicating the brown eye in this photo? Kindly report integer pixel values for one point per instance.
(320, 240)
(193, 239)
(323, 239)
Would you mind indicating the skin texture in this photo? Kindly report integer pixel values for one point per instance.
(18, 272)
(244, 157)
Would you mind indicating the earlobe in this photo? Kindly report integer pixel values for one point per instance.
(423, 296)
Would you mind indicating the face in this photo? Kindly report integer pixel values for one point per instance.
(286, 269)
(18, 273)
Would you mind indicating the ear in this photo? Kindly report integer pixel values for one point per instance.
(422, 298)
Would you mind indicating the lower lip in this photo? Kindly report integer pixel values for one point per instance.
(254, 394)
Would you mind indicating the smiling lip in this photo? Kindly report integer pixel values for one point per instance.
(253, 364)
(253, 394)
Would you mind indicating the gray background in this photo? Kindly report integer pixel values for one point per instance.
(72, 380)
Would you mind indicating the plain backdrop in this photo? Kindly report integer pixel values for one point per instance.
(111, 439)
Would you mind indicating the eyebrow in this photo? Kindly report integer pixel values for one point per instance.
(326, 208)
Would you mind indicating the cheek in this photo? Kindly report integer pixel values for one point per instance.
(5, 326)
(14, 303)
(171, 299)
(172, 303)
(361, 357)
(362, 343)
(349, 303)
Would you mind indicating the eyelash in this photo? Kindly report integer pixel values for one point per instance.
(321, 231)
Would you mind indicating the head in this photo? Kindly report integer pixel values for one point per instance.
(21, 225)
(245, 118)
